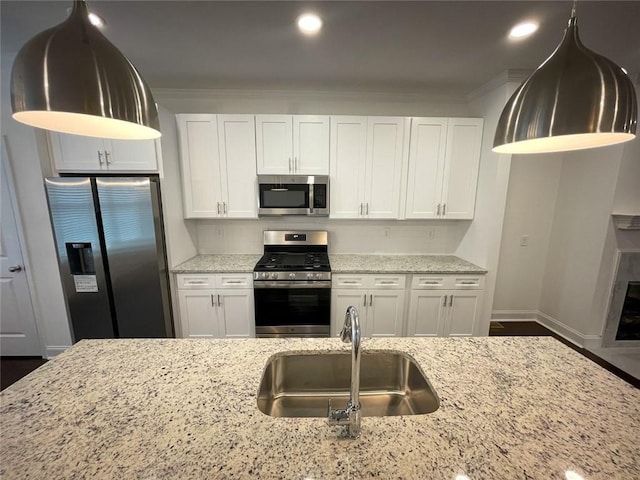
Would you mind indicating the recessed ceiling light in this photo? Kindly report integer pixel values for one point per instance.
(309, 23)
(523, 30)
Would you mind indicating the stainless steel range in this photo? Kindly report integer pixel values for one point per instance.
(292, 285)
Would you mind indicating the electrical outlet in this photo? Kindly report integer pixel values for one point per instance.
(524, 241)
(387, 232)
(220, 232)
(431, 233)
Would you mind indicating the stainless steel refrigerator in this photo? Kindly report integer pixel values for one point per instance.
(111, 252)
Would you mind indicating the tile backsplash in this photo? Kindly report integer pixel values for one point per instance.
(345, 236)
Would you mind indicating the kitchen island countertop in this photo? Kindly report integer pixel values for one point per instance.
(340, 263)
(511, 408)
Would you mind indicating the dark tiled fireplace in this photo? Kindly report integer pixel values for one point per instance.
(623, 320)
(629, 325)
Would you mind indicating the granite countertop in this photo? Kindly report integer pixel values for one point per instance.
(340, 263)
(510, 408)
(228, 263)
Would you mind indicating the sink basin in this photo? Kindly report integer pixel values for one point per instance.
(300, 384)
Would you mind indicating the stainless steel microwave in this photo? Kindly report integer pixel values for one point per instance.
(293, 195)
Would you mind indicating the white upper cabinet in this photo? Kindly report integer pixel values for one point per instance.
(217, 155)
(77, 153)
(444, 159)
(367, 159)
(239, 184)
(292, 144)
(348, 160)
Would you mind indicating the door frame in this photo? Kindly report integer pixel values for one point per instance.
(6, 165)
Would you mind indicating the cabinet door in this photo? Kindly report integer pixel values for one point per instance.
(464, 139)
(198, 316)
(385, 147)
(426, 167)
(426, 313)
(464, 308)
(131, 155)
(348, 160)
(386, 313)
(274, 144)
(238, 166)
(198, 137)
(77, 153)
(236, 313)
(341, 299)
(310, 145)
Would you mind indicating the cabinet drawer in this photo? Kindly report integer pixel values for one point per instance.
(195, 281)
(427, 282)
(388, 281)
(234, 280)
(468, 282)
(349, 281)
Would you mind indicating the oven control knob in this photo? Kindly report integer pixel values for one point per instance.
(292, 276)
(274, 275)
(310, 276)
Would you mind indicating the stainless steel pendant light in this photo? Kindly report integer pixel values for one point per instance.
(71, 79)
(576, 99)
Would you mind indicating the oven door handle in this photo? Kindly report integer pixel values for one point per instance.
(292, 284)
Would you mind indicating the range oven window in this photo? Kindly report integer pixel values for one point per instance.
(284, 196)
(292, 306)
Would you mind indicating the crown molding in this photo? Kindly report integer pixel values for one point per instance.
(310, 95)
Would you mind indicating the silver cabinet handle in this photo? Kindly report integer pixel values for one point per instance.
(365, 299)
(218, 208)
(224, 207)
(438, 214)
(445, 301)
(430, 283)
(234, 282)
(219, 302)
(468, 283)
(107, 156)
(361, 209)
(290, 171)
(367, 210)
(371, 300)
(196, 282)
(213, 302)
(100, 159)
(15, 268)
(451, 301)
(349, 282)
(444, 209)
(389, 282)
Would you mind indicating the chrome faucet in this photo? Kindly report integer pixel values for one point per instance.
(350, 416)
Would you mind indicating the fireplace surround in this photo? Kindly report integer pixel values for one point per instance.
(622, 328)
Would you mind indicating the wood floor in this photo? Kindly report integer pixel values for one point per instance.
(13, 369)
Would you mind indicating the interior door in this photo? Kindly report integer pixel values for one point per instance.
(18, 332)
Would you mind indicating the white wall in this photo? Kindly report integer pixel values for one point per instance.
(24, 147)
(345, 236)
(533, 187)
(481, 242)
(310, 102)
(582, 219)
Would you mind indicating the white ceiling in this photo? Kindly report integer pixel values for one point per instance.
(429, 46)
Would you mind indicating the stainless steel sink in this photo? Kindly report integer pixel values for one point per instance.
(301, 384)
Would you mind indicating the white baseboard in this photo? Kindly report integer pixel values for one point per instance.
(567, 332)
(52, 351)
(514, 315)
(585, 341)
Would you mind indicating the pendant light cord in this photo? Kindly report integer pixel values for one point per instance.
(573, 8)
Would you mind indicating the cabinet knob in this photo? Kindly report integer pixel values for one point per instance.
(15, 268)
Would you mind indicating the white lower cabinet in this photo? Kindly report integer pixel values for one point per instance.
(379, 300)
(216, 306)
(444, 306)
